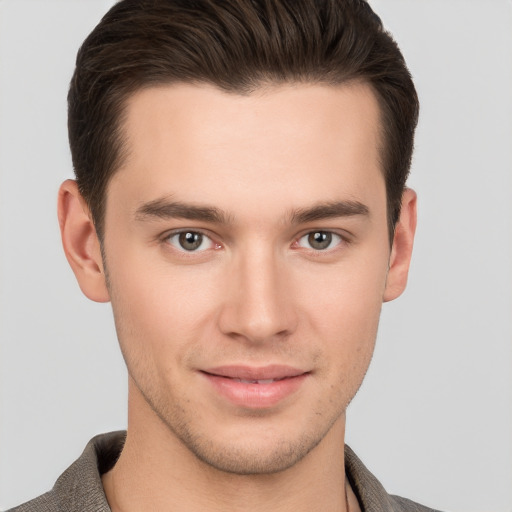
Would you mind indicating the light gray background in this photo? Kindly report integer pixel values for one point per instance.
(433, 419)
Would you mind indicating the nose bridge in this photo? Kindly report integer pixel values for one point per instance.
(259, 306)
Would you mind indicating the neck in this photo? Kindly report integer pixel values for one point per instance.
(157, 472)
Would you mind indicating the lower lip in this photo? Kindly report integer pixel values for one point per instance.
(255, 396)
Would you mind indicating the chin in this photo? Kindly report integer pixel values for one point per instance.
(253, 459)
(251, 449)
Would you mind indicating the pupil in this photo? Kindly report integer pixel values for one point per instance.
(190, 241)
(320, 240)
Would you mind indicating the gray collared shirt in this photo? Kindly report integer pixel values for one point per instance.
(79, 488)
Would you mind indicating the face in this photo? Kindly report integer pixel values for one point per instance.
(247, 254)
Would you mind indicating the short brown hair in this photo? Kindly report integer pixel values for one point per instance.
(236, 45)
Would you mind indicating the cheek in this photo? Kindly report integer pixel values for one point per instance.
(345, 296)
(342, 306)
(159, 313)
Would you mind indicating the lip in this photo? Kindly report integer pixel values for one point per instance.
(255, 387)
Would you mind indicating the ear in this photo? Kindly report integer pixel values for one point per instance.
(401, 250)
(81, 243)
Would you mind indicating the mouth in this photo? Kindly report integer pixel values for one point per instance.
(257, 381)
(256, 374)
(255, 387)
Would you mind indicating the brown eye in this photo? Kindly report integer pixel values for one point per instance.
(319, 240)
(190, 241)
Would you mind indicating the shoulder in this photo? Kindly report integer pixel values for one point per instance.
(405, 505)
(371, 494)
(79, 488)
(46, 502)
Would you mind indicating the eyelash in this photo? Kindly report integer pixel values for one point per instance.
(332, 235)
(176, 234)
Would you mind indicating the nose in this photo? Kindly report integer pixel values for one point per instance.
(259, 303)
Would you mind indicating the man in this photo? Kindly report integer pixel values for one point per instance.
(241, 201)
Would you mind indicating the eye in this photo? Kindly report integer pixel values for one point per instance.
(190, 241)
(319, 240)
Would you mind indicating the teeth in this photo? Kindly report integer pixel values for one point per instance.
(252, 381)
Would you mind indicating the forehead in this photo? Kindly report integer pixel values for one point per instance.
(277, 111)
(279, 143)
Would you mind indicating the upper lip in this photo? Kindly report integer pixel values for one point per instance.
(274, 371)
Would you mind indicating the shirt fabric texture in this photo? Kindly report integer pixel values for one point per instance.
(79, 488)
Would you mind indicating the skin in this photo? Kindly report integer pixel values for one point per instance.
(257, 292)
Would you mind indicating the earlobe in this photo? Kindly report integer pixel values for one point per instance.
(401, 250)
(80, 242)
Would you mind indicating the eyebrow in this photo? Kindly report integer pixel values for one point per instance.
(166, 209)
(329, 210)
